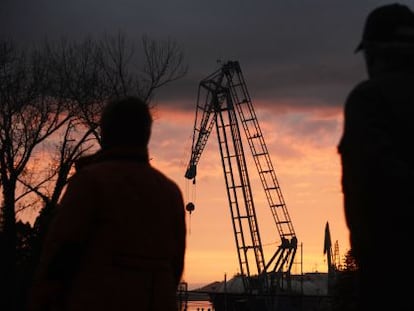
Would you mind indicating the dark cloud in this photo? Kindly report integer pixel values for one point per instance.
(296, 51)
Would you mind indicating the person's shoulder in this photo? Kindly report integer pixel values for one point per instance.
(364, 86)
(165, 178)
(365, 90)
(375, 88)
(87, 169)
(84, 161)
(80, 177)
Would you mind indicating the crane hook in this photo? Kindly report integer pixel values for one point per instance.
(190, 207)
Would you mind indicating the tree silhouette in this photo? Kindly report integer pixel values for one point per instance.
(51, 96)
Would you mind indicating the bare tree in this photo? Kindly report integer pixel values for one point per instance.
(28, 116)
(95, 71)
(164, 63)
(84, 76)
(51, 98)
(89, 73)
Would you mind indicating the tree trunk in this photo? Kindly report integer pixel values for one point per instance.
(9, 247)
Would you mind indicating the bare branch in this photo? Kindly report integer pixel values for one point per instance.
(164, 64)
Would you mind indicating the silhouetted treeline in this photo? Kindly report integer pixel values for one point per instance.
(51, 96)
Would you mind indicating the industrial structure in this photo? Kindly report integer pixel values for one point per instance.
(224, 104)
(332, 255)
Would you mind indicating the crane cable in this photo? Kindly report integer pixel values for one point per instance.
(190, 205)
(189, 198)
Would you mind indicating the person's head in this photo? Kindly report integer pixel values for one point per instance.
(388, 38)
(125, 122)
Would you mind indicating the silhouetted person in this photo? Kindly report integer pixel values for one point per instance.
(117, 241)
(378, 161)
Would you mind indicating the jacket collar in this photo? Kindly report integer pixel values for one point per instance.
(135, 154)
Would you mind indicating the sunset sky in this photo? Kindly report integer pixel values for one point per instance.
(299, 64)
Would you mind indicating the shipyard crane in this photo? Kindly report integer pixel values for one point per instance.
(223, 103)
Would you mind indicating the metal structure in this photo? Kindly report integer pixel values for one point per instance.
(327, 250)
(332, 255)
(223, 102)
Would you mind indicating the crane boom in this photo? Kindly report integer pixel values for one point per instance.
(226, 106)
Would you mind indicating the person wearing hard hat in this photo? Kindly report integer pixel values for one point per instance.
(378, 162)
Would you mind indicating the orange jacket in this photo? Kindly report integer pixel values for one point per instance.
(117, 241)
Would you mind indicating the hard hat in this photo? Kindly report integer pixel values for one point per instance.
(390, 25)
